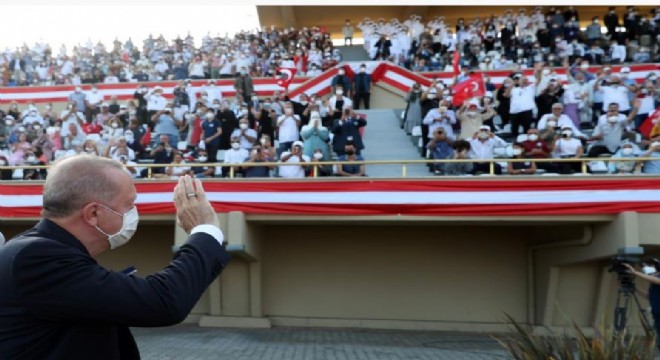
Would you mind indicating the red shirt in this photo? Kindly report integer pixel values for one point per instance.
(531, 145)
(196, 131)
(91, 128)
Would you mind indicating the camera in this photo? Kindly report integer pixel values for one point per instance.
(630, 256)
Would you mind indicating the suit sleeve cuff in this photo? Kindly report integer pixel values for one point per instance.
(210, 230)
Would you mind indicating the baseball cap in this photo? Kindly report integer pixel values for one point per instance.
(168, 110)
(298, 143)
(484, 127)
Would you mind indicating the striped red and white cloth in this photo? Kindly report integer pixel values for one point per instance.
(386, 72)
(469, 197)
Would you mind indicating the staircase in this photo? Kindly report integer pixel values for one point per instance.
(384, 140)
(353, 53)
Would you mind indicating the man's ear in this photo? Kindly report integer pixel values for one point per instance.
(90, 213)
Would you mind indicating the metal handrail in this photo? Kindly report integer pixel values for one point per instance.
(404, 163)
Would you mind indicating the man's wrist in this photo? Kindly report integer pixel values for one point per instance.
(209, 229)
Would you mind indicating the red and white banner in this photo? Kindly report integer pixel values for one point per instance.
(386, 72)
(384, 197)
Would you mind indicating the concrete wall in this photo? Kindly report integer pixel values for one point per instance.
(425, 273)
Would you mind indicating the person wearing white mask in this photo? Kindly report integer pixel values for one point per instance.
(341, 80)
(338, 103)
(568, 147)
(520, 167)
(288, 125)
(79, 98)
(627, 151)
(83, 217)
(482, 145)
(213, 92)
(472, 118)
(293, 156)
(561, 120)
(235, 155)
(246, 136)
(315, 136)
(607, 135)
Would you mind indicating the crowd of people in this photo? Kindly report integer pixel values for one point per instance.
(591, 115)
(189, 132)
(515, 39)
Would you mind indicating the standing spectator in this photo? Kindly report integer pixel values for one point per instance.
(522, 104)
(341, 80)
(617, 53)
(482, 144)
(504, 101)
(211, 132)
(561, 120)
(611, 21)
(243, 85)
(383, 45)
(348, 31)
(181, 100)
(338, 104)
(71, 116)
(593, 31)
(362, 86)
(413, 113)
(315, 136)
(287, 125)
(615, 92)
(246, 136)
(472, 119)
(94, 102)
(347, 130)
(79, 98)
(294, 156)
(165, 124)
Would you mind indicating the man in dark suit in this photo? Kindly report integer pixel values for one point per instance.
(56, 302)
(361, 88)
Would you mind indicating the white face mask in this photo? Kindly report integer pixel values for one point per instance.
(339, 92)
(612, 119)
(262, 141)
(210, 116)
(288, 111)
(2, 162)
(318, 156)
(235, 145)
(552, 123)
(31, 159)
(483, 135)
(627, 151)
(517, 152)
(128, 227)
(129, 139)
(471, 113)
(202, 159)
(532, 137)
(114, 125)
(244, 112)
(648, 270)
(243, 126)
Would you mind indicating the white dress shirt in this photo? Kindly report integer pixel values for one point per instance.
(445, 123)
(522, 99)
(288, 128)
(562, 122)
(616, 94)
(484, 149)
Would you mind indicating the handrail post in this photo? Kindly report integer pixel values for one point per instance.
(315, 171)
(231, 172)
(491, 166)
(584, 166)
(404, 170)
(149, 172)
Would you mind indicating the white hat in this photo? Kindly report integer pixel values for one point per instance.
(484, 127)
(168, 110)
(625, 70)
(297, 143)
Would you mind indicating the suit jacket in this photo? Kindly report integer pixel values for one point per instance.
(56, 302)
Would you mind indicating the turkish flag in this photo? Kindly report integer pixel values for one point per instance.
(648, 124)
(284, 76)
(472, 87)
(457, 57)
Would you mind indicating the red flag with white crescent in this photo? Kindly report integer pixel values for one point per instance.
(472, 87)
(284, 76)
(457, 56)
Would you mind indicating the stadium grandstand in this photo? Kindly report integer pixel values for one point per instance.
(409, 167)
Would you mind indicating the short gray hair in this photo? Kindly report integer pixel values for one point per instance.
(76, 180)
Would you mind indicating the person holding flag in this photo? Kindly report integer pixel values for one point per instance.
(522, 95)
(284, 76)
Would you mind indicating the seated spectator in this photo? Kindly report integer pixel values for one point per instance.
(246, 136)
(294, 156)
(91, 147)
(440, 148)
(163, 153)
(257, 156)
(560, 120)
(315, 136)
(31, 159)
(627, 151)
(128, 165)
(5, 174)
(482, 144)
(203, 171)
(350, 170)
(520, 167)
(461, 152)
(345, 130)
(652, 166)
(321, 170)
(177, 171)
(235, 155)
(613, 112)
(114, 127)
(19, 150)
(568, 147)
(115, 145)
(536, 147)
(134, 145)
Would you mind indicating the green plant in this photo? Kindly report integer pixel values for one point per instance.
(576, 345)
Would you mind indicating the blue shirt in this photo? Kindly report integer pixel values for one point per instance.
(257, 171)
(166, 125)
(652, 166)
(210, 128)
(350, 168)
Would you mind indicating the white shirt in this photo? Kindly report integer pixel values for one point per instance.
(70, 120)
(562, 122)
(94, 98)
(245, 143)
(293, 171)
(647, 105)
(236, 156)
(213, 93)
(567, 147)
(484, 149)
(522, 99)
(434, 114)
(619, 53)
(156, 103)
(115, 156)
(616, 94)
(288, 128)
(621, 118)
(333, 101)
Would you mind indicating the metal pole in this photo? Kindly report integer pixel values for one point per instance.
(404, 170)
(491, 166)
